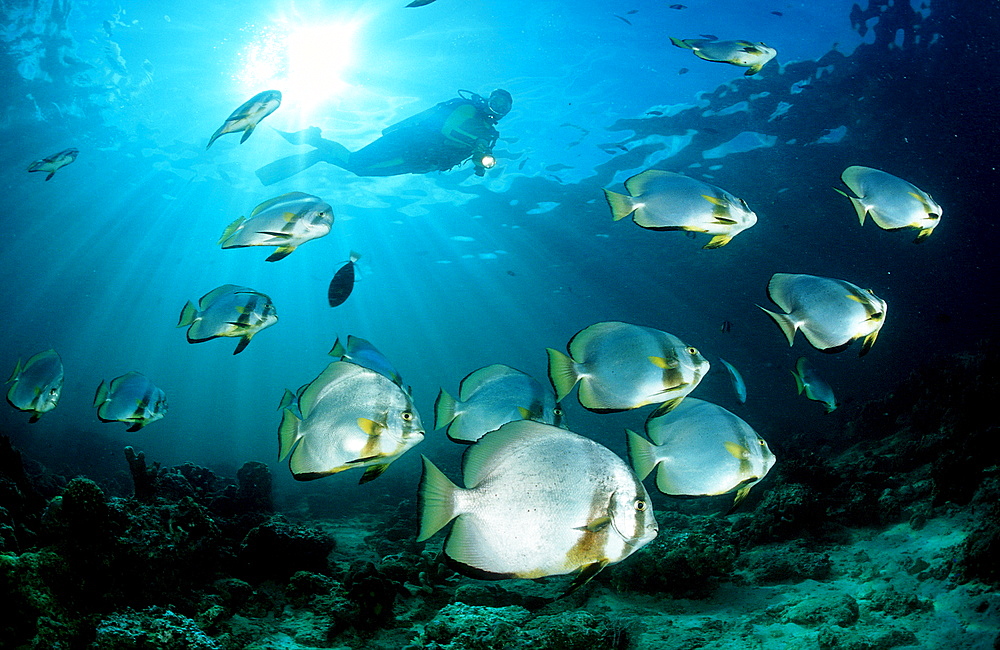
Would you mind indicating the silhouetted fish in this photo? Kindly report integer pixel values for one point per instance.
(678, 6)
(342, 283)
(419, 3)
(623, 19)
(683, 71)
(654, 112)
(726, 327)
(777, 13)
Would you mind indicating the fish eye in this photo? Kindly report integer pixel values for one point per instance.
(640, 505)
(557, 411)
(407, 416)
(692, 351)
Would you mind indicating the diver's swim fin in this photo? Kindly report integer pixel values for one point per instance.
(311, 135)
(279, 170)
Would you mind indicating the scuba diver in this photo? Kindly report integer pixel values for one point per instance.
(437, 139)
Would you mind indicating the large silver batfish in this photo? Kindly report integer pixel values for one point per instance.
(286, 221)
(660, 200)
(538, 501)
(36, 386)
(229, 310)
(491, 397)
(248, 115)
(621, 366)
(893, 203)
(700, 449)
(54, 163)
(349, 416)
(739, 53)
(831, 313)
(132, 399)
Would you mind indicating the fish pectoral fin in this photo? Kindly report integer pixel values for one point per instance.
(288, 217)
(724, 220)
(373, 473)
(370, 427)
(587, 572)
(661, 362)
(714, 200)
(525, 413)
(597, 525)
(365, 459)
(247, 132)
(737, 451)
(275, 233)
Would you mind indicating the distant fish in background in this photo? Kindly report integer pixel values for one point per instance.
(286, 221)
(744, 54)
(700, 449)
(248, 115)
(363, 353)
(660, 200)
(777, 13)
(490, 397)
(419, 3)
(349, 416)
(831, 313)
(54, 163)
(654, 113)
(539, 501)
(623, 19)
(231, 311)
(808, 380)
(683, 71)
(620, 366)
(711, 37)
(342, 283)
(739, 386)
(132, 399)
(726, 327)
(36, 385)
(893, 203)
(678, 7)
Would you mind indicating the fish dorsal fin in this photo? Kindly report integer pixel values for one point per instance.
(638, 183)
(337, 351)
(17, 371)
(290, 196)
(371, 427)
(216, 293)
(476, 379)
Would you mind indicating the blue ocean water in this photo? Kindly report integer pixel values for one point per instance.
(458, 272)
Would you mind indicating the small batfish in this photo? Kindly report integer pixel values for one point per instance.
(831, 313)
(808, 380)
(54, 163)
(660, 200)
(738, 384)
(538, 501)
(363, 353)
(286, 221)
(893, 203)
(726, 327)
(621, 366)
(36, 385)
(700, 449)
(342, 283)
(350, 416)
(248, 115)
(131, 399)
(740, 53)
(228, 310)
(491, 397)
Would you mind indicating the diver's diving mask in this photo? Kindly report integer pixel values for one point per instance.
(496, 106)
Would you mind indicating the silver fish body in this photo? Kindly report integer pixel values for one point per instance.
(739, 53)
(248, 115)
(36, 386)
(620, 366)
(830, 313)
(539, 501)
(229, 311)
(808, 381)
(491, 397)
(893, 203)
(660, 200)
(700, 449)
(132, 399)
(286, 221)
(349, 416)
(54, 163)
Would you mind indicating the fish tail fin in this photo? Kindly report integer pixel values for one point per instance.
(338, 350)
(640, 453)
(230, 229)
(562, 373)
(242, 345)
(49, 177)
(680, 43)
(785, 322)
(798, 381)
(246, 133)
(280, 253)
(718, 241)
(444, 409)
(288, 433)
(17, 371)
(621, 204)
(859, 207)
(101, 395)
(436, 498)
(188, 314)
(868, 343)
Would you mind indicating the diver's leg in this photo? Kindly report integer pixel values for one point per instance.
(283, 168)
